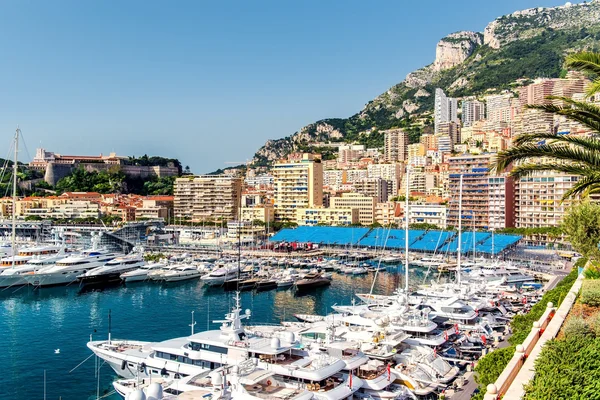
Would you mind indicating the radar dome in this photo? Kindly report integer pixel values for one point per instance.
(154, 391)
(136, 395)
(275, 343)
(216, 379)
(289, 337)
(248, 312)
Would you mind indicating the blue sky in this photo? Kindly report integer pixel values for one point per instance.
(208, 82)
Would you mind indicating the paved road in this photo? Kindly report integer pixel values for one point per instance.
(467, 390)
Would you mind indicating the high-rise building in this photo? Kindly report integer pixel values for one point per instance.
(482, 195)
(450, 129)
(395, 145)
(392, 173)
(444, 143)
(298, 183)
(539, 199)
(498, 107)
(350, 152)
(374, 187)
(445, 109)
(429, 141)
(472, 110)
(207, 198)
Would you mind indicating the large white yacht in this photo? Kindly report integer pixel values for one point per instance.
(208, 350)
(110, 272)
(220, 275)
(66, 270)
(16, 276)
(26, 254)
(142, 273)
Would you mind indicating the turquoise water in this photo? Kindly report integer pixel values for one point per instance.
(35, 323)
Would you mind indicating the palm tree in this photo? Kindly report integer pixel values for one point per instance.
(573, 155)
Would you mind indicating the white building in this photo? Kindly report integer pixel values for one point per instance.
(445, 109)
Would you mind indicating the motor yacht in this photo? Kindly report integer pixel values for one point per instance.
(231, 344)
(16, 276)
(311, 281)
(110, 272)
(26, 254)
(181, 273)
(66, 270)
(141, 274)
(220, 275)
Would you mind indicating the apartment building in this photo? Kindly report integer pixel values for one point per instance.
(434, 214)
(472, 110)
(364, 204)
(387, 213)
(298, 183)
(207, 197)
(445, 109)
(392, 173)
(261, 212)
(326, 216)
(538, 199)
(498, 107)
(477, 192)
(373, 187)
(395, 147)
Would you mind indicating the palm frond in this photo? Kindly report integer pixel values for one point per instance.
(585, 186)
(589, 158)
(593, 88)
(585, 61)
(584, 113)
(524, 170)
(583, 142)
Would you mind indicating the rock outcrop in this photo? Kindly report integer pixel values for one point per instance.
(455, 48)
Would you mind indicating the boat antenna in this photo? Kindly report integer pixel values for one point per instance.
(109, 325)
(14, 196)
(406, 230)
(459, 229)
(193, 323)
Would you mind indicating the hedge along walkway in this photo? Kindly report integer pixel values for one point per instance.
(491, 366)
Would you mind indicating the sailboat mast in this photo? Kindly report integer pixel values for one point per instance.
(14, 197)
(459, 229)
(406, 230)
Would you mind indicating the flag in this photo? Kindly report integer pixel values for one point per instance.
(484, 339)
(524, 300)
(389, 371)
(456, 328)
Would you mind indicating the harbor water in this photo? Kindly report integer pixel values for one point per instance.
(45, 331)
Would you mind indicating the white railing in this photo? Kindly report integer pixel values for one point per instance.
(520, 369)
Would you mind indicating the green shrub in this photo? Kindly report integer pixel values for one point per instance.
(567, 369)
(595, 324)
(576, 326)
(590, 293)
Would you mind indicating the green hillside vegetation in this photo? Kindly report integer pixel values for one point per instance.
(486, 71)
(113, 181)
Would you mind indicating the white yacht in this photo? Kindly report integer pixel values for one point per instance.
(110, 272)
(181, 273)
(66, 270)
(27, 254)
(141, 274)
(16, 276)
(209, 350)
(220, 275)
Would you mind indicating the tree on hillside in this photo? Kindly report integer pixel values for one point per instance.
(582, 225)
(570, 154)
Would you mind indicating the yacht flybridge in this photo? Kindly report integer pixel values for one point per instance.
(295, 365)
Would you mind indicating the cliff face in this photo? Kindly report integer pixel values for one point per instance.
(525, 44)
(455, 48)
(533, 21)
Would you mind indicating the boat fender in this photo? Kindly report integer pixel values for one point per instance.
(269, 383)
(123, 364)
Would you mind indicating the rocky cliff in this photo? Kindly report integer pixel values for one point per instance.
(526, 44)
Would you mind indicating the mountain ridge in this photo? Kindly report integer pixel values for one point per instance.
(526, 44)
